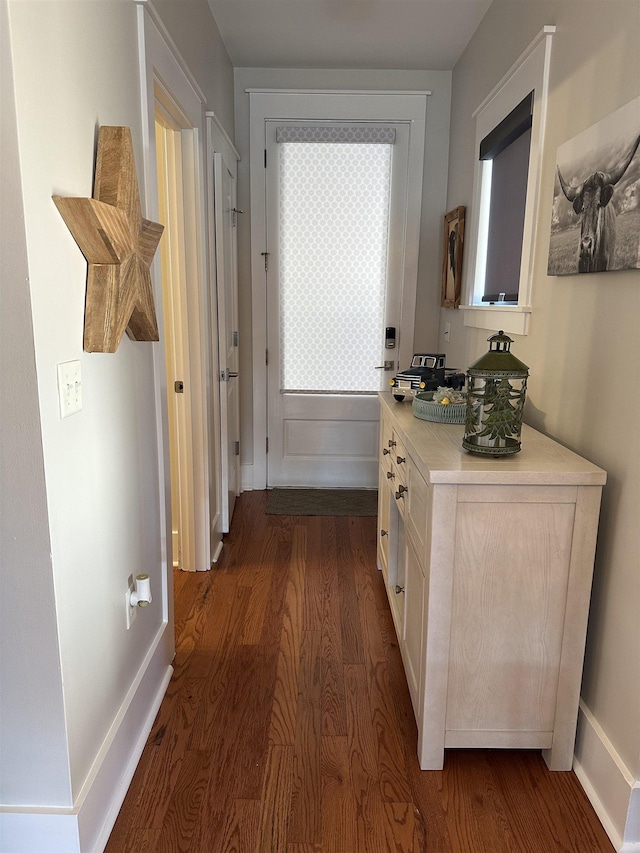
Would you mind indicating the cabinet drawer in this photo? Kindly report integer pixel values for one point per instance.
(399, 473)
(399, 461)
(386, 437)
(387, 443)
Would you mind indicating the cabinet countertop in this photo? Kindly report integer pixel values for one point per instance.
(437, 451)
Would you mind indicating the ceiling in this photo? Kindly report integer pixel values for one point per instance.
(384, 34)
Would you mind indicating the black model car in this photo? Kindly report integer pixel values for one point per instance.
(427, 373)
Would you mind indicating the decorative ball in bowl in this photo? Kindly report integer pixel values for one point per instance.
(444, 406)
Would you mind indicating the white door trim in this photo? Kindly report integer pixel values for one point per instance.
(162, 66)
(350, 106)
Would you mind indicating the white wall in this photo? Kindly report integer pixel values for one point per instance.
(100, 464)
(86, 510)
(435, 180)
(196, 36)
(583, 347)
(31, 703)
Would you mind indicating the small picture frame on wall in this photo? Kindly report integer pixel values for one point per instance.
(452, 258)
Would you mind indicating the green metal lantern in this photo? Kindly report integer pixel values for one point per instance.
(496, 390)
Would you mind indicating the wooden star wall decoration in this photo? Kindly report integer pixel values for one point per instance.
(119, 245)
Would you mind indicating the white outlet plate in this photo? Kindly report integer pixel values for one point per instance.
(69, 388)
(131, 612)
(447, 332)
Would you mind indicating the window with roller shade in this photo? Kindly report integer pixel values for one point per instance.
(510, 129)
(506, 151)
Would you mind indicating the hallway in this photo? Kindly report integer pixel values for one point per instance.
(287, 726)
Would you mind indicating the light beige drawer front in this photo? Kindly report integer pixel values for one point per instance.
(386, 436)
(389, 474)
(399, 480)
(386, 456)
(399, 461)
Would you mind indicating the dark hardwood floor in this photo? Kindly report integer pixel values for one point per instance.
(287, 726)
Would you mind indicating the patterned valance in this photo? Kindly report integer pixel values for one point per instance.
(367, 134)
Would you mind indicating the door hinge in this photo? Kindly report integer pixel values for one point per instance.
(234, 339)
(266, 356)
(265, 158)
(265, 255)
(236, 448)
(267, 444)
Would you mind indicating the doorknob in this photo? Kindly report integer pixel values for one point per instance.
(388, 365)
(226, 375)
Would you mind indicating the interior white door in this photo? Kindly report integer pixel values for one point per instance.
(226, 220)
(333, 288)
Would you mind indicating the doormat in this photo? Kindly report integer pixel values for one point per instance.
(356, 502)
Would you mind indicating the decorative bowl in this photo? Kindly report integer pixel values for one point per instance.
(447, 413)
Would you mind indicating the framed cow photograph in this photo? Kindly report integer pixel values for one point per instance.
(595, 224)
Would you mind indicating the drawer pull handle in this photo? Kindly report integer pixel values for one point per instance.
(399, 589)
(385, 451)
(390, 475)
(384, 533)
(401, 459)
(401, 492)
(392, 443)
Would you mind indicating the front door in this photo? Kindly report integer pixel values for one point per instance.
(327, 308)
(341, 201)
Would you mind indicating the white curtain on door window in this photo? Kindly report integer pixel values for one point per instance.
(334, 226)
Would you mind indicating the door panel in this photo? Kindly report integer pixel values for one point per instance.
(326, 440)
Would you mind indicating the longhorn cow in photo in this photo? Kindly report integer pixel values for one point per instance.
(591, 200)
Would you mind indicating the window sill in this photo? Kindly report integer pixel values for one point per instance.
(513, 319)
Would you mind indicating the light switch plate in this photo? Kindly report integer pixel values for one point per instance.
(69, 388)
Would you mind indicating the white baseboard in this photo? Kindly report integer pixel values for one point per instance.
(632, 829)
(246, 477)
(607, 781)
(99, 809)
(86, 827)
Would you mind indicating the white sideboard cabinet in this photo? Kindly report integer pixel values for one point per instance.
(488, 566)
